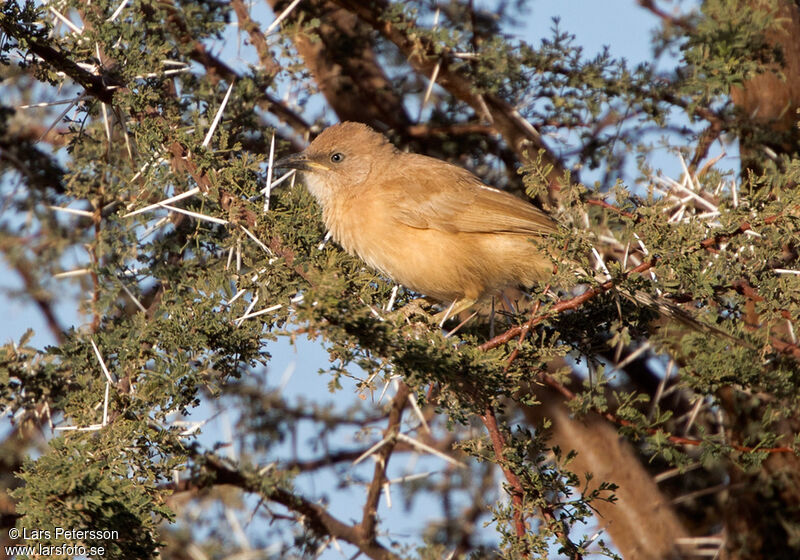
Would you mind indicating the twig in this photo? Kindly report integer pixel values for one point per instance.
(369, 518)
(607, 206)
(315, 516)
(564, 305)
(517, 492)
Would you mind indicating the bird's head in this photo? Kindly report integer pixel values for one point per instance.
(341, 158)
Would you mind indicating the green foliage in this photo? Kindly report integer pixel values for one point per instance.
(166, 296)
(63, 489)
(729, 45)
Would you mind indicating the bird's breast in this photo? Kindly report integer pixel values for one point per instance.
(360, 228)
(423, 260)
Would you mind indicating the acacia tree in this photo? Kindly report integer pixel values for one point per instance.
(678, 437)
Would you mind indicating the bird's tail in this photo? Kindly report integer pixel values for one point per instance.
(672, 311)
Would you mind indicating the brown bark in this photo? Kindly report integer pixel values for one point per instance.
(773, 97)
(344, 65)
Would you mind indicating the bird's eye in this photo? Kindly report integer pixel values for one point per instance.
(338, 157)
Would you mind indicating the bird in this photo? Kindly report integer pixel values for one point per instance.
(435, 227)
(427, 224)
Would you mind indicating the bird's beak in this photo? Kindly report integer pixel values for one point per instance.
(300, 162)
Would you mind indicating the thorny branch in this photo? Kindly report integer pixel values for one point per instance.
(381, 456)
(563, 305)
(518, 492)
(217, 69)
(314, 516)
(363, 535)
(575, 302)
(98, 86)
(257, 38)
(522, 331)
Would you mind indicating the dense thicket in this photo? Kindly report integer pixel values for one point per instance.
(583, 424)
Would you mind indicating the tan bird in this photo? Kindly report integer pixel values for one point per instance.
(425, 223)
(433, 226)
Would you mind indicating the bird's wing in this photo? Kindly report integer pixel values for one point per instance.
(467, 206)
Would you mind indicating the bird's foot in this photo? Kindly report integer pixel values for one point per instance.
(417, 306)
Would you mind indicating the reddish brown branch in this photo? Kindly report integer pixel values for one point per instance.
(564, 305)
(96, 286)
(314, 516)
(575, 302)
(611, 207)
(517, 492)
(784, 347)
(743, 227)
(781, 346)
(257, 38)
(369, 518)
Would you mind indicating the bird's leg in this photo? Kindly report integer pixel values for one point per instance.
(455, 308)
